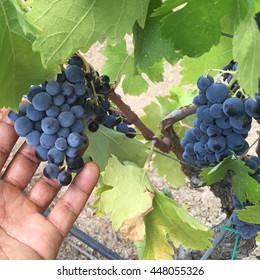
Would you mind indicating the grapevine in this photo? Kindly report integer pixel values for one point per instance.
(71, 112)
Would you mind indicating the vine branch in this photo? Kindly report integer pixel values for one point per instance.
(163, 144)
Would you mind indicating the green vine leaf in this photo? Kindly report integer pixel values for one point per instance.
(68, 26)
(169, 221)
(246, 46)
(20, 67)
(217, 57)
(106, 142)
(244, 186)
(169, 168)
(195, 28)
(149, 46)
(119, 61)
(130, 198)
(250, 214)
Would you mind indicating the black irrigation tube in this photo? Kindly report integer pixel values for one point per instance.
(91, 242)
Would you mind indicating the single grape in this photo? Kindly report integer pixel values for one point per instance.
(105, 79)
(61, 77)
(199, 149)
(64, 107)
(217, 144)
(61, 144)
(67, 89)
(53, 111)
(210, 158)
(41, 153)
(216, 111)
(63, 132)
(33, 114)
(131, 132)
(71, 99)
(252, 108)
(13, 116)
(48, 140)
(33, 138)
(204, 82)
(74, 74)
(79, 89)
(53, 88)
(75, 164)
(77, 111)
(235, 141)
(42, 101)
(110, 121)
(93, 126)
(214, 131)
(72, 152)
(50, 125)
(202, 98)
(241, 121)
(64, 178)
(233, 107)
(206, 116)
(197, 102)
(55, 156)
(223, 122)
(204, 139)
(75, 140)
(34, 90)
(66, 119)
(23, 126)
(104, 88)
(189, 148)
(217, 93)
(76, 60)
(122, 127)
(58, 99)
(199, 112)
(51, 171)
(251, 164)
(242, 150)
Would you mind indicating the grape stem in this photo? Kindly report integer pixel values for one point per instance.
(120, 72)
(149, 158)
(222, 71)
(162, 144)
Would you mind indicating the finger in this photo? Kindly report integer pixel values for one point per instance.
(22, 167)
(8, 138)
(68, 208)
(45, 190)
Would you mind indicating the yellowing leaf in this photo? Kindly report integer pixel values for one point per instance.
(168, 221)
(134, 228)
(130, 198)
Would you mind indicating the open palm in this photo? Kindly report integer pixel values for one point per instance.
(25, 233)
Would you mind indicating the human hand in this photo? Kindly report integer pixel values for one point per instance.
(25, 233)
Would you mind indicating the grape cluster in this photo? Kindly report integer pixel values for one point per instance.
(222, 123)
(53, 120)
